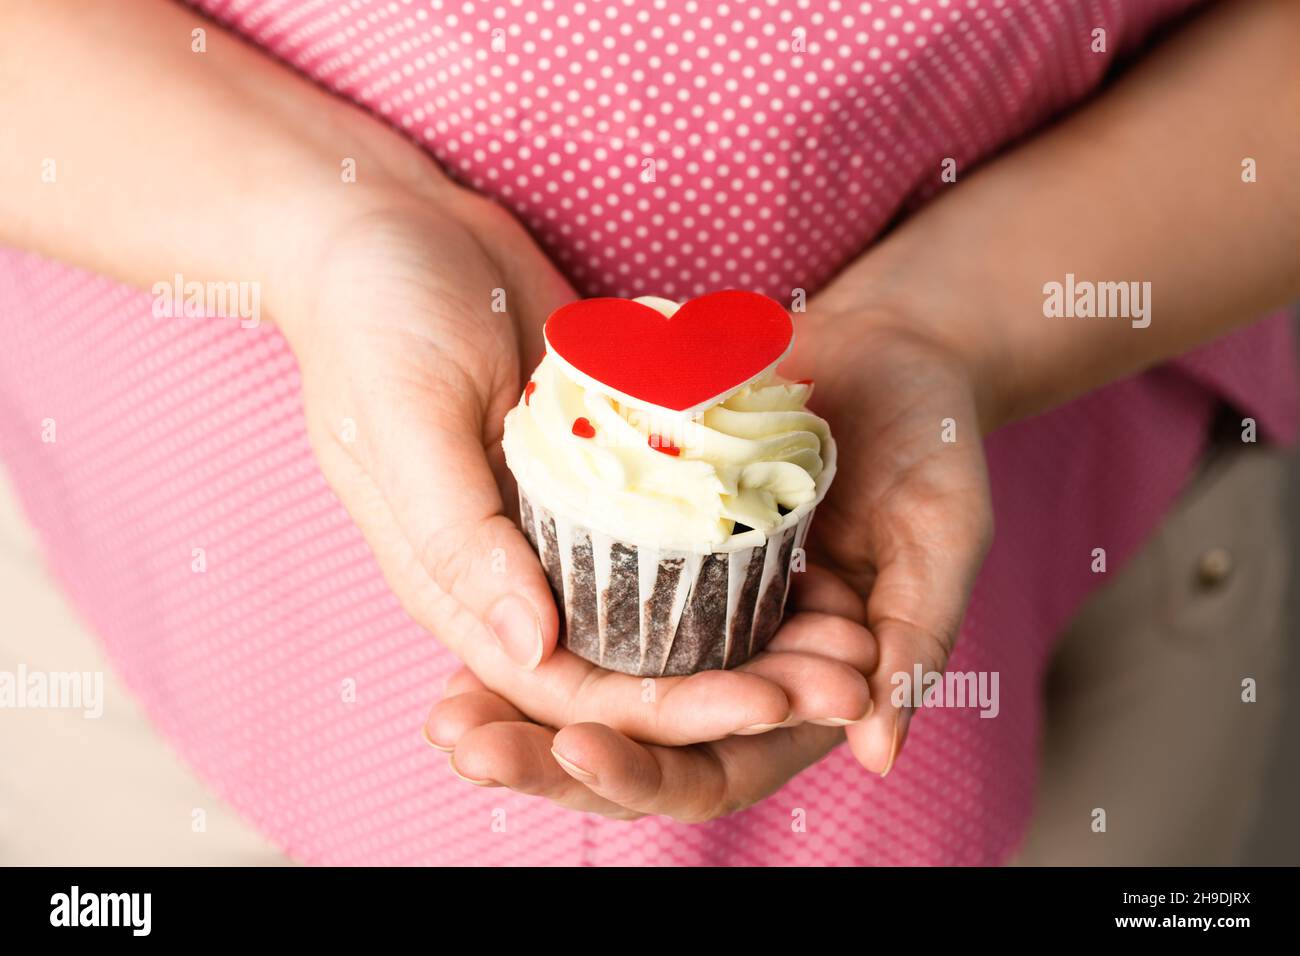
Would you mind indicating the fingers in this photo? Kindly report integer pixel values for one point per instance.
(677, 710)
(491, 744)
(420, 487)
(819, 689)
(813, 670)
(593, 768)
(462, 682)
(685, 783)
(518, 756)
(774, 689)
(465, 704)
(818, 589)
(452, 718)
(407, 375)
(877, 741)
(915, 610)
(820, 660)
(470, 550)
(691, 784)
(827, 635)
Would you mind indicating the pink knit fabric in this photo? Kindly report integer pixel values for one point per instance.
(772, 168)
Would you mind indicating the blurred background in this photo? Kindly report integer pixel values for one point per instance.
(1276, 841)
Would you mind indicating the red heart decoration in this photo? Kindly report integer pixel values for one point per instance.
(708, 349)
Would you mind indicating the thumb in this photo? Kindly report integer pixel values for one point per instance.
(914, 611)
(417, 480)
(877, 740)
(482, 563)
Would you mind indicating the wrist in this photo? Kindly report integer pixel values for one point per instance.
(321, 220)
(839, 334)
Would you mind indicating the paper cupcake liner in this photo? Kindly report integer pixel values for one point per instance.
(657, 612)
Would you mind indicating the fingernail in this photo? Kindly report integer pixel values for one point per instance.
(900, 725)
(515, 625)
(571, 768)
(451, 762)
(424, 732)
(756, 729)
(845, 721)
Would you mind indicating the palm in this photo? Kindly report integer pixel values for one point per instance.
(407, 373)
(912, 488)
(896, 546)
(909, 518)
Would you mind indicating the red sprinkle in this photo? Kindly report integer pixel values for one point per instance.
(659, 443)
(804, 381)
(582, 428)
(528, 391)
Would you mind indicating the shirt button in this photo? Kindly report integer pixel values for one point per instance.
(1214, 568)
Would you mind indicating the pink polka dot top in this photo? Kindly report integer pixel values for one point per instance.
(667, 147)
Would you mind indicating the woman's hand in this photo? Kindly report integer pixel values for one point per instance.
(408, 371)
(942, 323)
(384, 283)
(592, 768)
(895, 548)
(909, 518)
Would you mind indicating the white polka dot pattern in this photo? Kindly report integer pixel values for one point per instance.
(782, 138)
(682, 146)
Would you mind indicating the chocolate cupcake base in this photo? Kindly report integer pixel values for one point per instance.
(657, 612)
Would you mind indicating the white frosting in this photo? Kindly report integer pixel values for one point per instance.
(740, 461)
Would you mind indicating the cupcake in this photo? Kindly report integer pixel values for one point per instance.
(667, 477)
